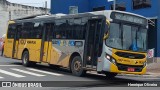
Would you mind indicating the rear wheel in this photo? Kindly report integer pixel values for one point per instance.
(110, 75)
(76, 66)
(25, 59)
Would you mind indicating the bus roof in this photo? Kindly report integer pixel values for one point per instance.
(105, 13)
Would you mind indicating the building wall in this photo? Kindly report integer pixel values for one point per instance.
(10, 10)
(94, 4)
(62, 6)
(158, 31)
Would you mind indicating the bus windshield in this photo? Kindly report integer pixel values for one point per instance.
(127, 37)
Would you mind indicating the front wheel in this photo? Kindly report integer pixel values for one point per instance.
(76, 66)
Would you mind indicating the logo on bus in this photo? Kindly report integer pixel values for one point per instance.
(22, 41)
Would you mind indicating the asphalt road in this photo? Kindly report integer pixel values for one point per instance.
(12, 70)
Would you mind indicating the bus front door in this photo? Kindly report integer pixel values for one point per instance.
(93, 43)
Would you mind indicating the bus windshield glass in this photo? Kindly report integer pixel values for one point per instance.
(127, 37)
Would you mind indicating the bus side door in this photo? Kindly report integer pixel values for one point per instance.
(9, 43)
(93, 43)
(46, 42)
(16, 41)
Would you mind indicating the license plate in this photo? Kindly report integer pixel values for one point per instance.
(131, 69)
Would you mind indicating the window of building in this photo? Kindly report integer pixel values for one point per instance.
(73, 9)
(99, 8)
(120, 7)
(137, 4)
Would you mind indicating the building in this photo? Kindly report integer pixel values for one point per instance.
(10, 11)
(147, 8)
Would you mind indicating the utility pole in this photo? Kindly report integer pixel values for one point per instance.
(46, 7)
(10, 17)
(114, 5)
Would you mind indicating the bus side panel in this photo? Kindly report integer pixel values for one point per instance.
(63, 49)
(54, 56)
(34, 49)
(46, 51)
(8, 47)
(16, 49)
(33, 46)
(49, 52)
(20, 51)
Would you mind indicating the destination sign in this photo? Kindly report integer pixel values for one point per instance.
(129, 18)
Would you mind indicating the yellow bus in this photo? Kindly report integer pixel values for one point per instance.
(109, 42)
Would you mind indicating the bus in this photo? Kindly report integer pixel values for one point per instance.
(109, 42)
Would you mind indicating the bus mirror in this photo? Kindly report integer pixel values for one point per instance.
(106, 29)
(105, 36)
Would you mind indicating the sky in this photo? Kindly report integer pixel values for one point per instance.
(37, 3)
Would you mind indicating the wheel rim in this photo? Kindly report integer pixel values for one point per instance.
(25, 59)
(77, 66)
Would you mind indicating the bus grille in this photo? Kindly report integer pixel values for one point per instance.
(130, 55)
(123, 67)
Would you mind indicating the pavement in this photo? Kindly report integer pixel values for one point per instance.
(153, 68)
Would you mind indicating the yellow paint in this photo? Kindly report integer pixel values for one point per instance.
(16, 49)
(106, 35)
(65, 61)
(8, 47)
(128, 61)
(49, 52)
(54, 56)
(11, 22)
(45, 51)
(115, 69)
(108, 22)
(34, 49)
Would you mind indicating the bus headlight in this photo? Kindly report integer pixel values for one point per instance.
(108, 57)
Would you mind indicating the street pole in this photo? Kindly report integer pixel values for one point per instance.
(114, 5)
(10, 15)
(46, 7)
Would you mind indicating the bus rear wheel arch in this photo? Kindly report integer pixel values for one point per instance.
(77, 67)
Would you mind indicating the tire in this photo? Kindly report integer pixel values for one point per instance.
(25, 59)
(110, 75)
(76, 67)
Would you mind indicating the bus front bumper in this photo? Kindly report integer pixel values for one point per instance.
(114, 68)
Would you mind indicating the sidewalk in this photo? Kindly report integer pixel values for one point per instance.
(153, 68)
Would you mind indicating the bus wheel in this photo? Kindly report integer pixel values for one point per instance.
(110, 75)
(76, 67)
(25, 59)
